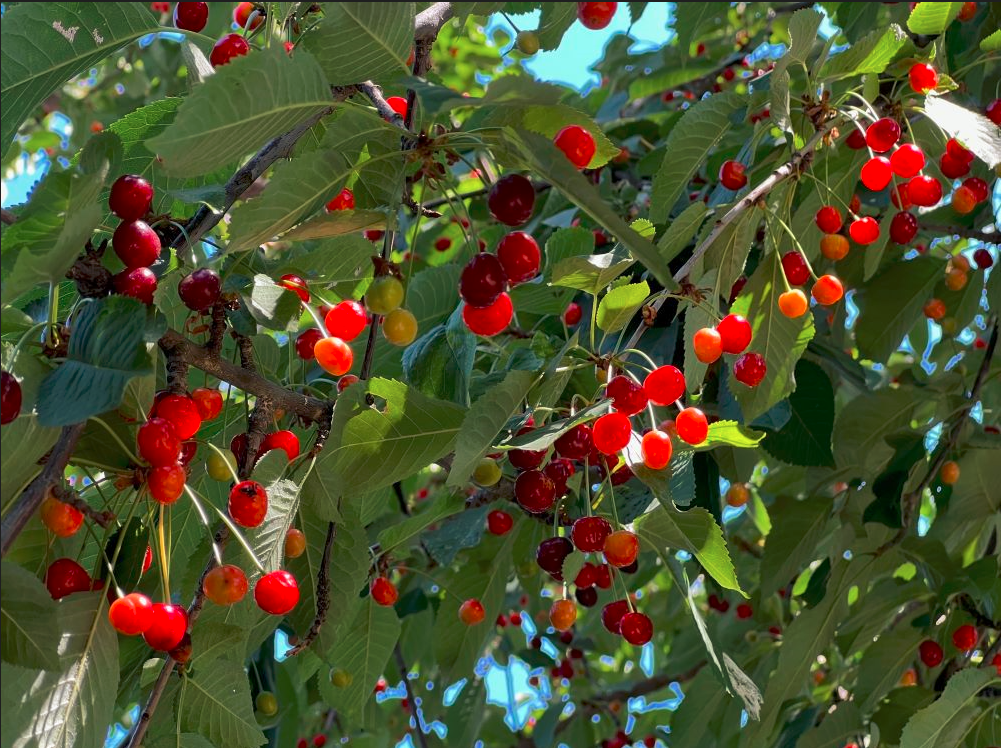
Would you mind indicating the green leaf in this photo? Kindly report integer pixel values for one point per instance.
(273, 306)
(106, 351)
(464, 530)
(691, 18)
(860, 431)
(803, 26)
(891, 304)
(548, 120)
(792, 543)
(682, 230)
(875, 251)
(838, 728)
(363, 41)
(249, 101)
(668, 78)
(268, 538)
(730, 434)
(211, 640)
(338, 223)
(870, 54)
(591, 274)
(883, 664)
(991, 43)
(28, 620)
(728, 252)
(554, 21)
(445, 505)
(440, 362)
(933, 726)
(698, 133)
(47, 44)
(806, 437)
(932, 18)
(620, 305)
(972, 129)
(216, 703)
(25, 441)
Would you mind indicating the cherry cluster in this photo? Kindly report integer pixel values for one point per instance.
(964, 639)
(732, 335)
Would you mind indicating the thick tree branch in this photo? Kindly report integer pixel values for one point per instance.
(71, 497)
(429, 21)
(322, 594)
(7, 217)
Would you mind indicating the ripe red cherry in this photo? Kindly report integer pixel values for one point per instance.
(147, 559)
(551, 554)
(882, 135)
(732, 175)
(61, 518)
(443, 244)
(931, 653)
(276, 593)
(983, 258)
(864, 230)
(181, 411)
(577, 145)
(158, 442)
(398, 104)
(471, 612)
(10, 398)
(483, 280)
(139, 283)
(692, 425)
(64, 577)
(964, 638)
(526, 459)
(953, 167)
(242, 12)
(285, 440)
(589, 533)
(170, 624)
(611, 433)
(907, 161)
(345, 200)
(228, 48)
(744, 611)
(575, 443)
(136, 244)
(855, 140)
(664, 385)
(559, 471)
(131, 195)
(876, 173)
(296, 285)
(903, 228)
(595, 16)
(191, 16)
(334, 355)
(248, 503)
(535, 491)
(346, 320)
(132, 614)
(627, 395)
(166, 483)
(512, 199)
(735, 333)
(612, 615)
(200, 289)
(923, 77)
(708, 345)
(993, 111)
(636, 628)
(978, 187)
(225, 585)
(572, 314)
(899, 196)
(383, 591)
(829, 219)
(499, 523)
(924, 191)
(519, 256)
(657, 449)
(750, 369)
(827, 290)
(490, 320)
(305, 342)
(586, 596)
(795, 267)
(208, 401)
(621, 549)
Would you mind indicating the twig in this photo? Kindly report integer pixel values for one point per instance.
(404, 672)
(322, 594)
(374, 94)
(7, 217)
(401, 498)
(68, 496)
(966, 603)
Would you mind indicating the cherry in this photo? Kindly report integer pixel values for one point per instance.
(827, 290)
(978, 187)
(526, 459)
(398, 104)
(228, 48)
(964, 638)
(621, 474)
(924, 191)
(225, 585)
(559, 471)
(345, 200)
(603, 576)
(982, 257)
(829, 219)
(572, 314)
(589, 533)
(208, 401)
(266, 703)
(732, 175)
(200, 289)
(719, 605)
(305, 342)
(400, 327)
(577, 145)
(735, 333)
(636, 628)
(903, 228)
(285, 440)
(621, 548)
(664, 385)
(907, 161)
(158, 442)
(276, 593)
(147, 559)
(471, 612)
(333, 355)
(963, 200)
(64, 577)
(854, 205)
(575, 443)
(483, 280)
(551, 554)
(692, 425)
(612, 615)
(657, 449)
(882, 135)
(131, 615)
(295, 543)
(296, 285)
(737, 495)
(744, 611)
(131, 195)
(952, 167)
(242, 13)
(61, 518)
(10, 398)
(934, 309)
(499, 523)
(595, 16)
(181, 411)
(923, 78)
(931, 653)
(586, 596)
(955, 279)
(383, 592)
(967, 11)
(527, 42)
(627, 395)
(490, 320)
(321, 740)
(512, 199)
(166, 483)
(487, 473)
(170, 624)
(876, 173)
(856, 140)
(750, 369)
(136, 244)
(248, 503)
(993, 111)
(949, 474)
(139, 283)
(793, 304)
(900, 197)
(519, 256)
(864, 230)
(708, 345)
(191, 16)
(611, 433)
(384, 295)
(563, 614)
(535, 491)
(796, 270)
(443, 244)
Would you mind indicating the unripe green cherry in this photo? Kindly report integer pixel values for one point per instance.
(487, 473)
(384, 295)
(340, 678)
(267, 703)
(221, 467)
(527, 42)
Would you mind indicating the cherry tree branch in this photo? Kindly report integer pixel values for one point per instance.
(428, 22)
(322, 594)
(411, 701)
(374, 94)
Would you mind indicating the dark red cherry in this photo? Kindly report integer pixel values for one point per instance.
(226, 49)
(903, 228)
(732, 175)
(982, 257)
(136, 244)
(551, 554)
(993, 111)
(795, 267)
(191, 16)
(65, 576)
(595, 16)
(626, 394)
(855, 140)
(526, 459)
(589, 533)
(200, 289)
(512, 199)
(305, 342)
(575, 443)
(131, 195)
(612, 615)
(483, 280)
(750, 369)
(10, 398)
(535, 491)
(586, 596)
(139, 283)
(560, 471)
(520, 257)
(636, 628)
(978, 187)
(882, 134)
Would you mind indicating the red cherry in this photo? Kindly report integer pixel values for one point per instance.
(136, 244)
(589, 533)
(166, 483)
(398, 104)
(443, 244)
(577, 145)
(692, 425)
(572, 314)
(708, 345)
(876, 173)
(471, 612)
(286, 441)
(732, 175)
(603, 576)
(864, 230)
(612, 615)
(795, 267)
(147, 559)
(611, 433)
(750, 369)
(345, 200)
(296, 285)
(559, 471)
(903, 228)
(931, 653)
(373, 235)
(924, 191)
(132, 614)
(829, 219)
(907, 161)
(248, 503)
(158, 442)
(208, 401)
(346, 381)
(595, 16)
(319, 741)
(900, 197)
(964, 638)
(519, 256)
(735, 333)
(636, 628)
(499, 523)
(228, 48)
(551, 554)
(882, 135)
(978, 187)
(855, 140)
(181, 411)
(586, 596)
(737, 287)
(983, 258)
(490, 320)
(827, 290)
(139, 283)
(242, 13)
(131, 195)
(664, 385)
(993, 111)
(200, 289)
(64, 577)
(305, 342)
(170, 624)
(191, 16)
(334, 355)
(276, 593)
(512, 199)
(483, 280)
(744, 611)
(657, 449)
(923, 78)
(575, 443)
(225, 585)
(10, 398)
(952, 167)
(526, 459)
(383, 591)
(535, 491)
(955, 149)
(627, 395)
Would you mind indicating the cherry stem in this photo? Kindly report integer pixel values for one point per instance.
(128, 452)
(205, 521)
(240, 539)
